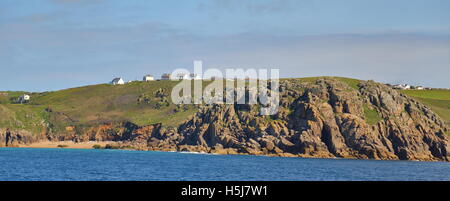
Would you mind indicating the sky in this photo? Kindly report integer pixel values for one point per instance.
(56, 44)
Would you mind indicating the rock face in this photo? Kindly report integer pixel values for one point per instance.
(14, 138)
(324, 119)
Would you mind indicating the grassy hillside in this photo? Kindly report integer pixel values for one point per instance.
(438, 100)
(23, 117)
(139, 102)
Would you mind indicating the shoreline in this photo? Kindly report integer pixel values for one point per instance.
(89, 144)
(66, 144)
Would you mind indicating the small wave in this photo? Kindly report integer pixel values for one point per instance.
(194, 152)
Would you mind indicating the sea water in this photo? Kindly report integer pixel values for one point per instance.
(33, 164)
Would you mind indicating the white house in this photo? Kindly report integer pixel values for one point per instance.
(148, 78)
(420, 88)
(117, 81)
(24, 98)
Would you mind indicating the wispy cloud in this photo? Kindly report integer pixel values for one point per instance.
(77, 1)
(96, 54)
(251, 6)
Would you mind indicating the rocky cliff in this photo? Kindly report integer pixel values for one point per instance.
(325, 118)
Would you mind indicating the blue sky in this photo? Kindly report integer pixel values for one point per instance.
(57, 44)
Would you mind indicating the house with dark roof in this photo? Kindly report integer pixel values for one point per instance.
(117, 81)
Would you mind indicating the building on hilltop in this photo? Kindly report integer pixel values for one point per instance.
(194, 76)
(148, 78)
(402, 86)
(117, 81)
(183, 76)
(24, 98)
(166, 76)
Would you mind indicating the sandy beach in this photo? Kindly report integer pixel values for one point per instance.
(67, 144)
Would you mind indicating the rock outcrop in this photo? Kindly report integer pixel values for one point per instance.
(10, 138)
(325, 119)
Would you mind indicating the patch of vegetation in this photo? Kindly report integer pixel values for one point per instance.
(372, 116)
(4, 99)
(97, 146)
(437, 99)
(269, 118)
(110, 146)
(353, 83)
(23, 117)
(438, 94)
(62, 146)
(309, 79)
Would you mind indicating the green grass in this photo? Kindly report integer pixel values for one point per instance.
(438, 94)
(94, 104)
(309, 79)
(372, 116)
(4, 98)
(107, 102)
(352, 83)
(437, 99)
(23, 117)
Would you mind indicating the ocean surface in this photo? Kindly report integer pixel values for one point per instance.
(111, 165)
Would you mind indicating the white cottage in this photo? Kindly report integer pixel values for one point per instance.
(24, 98)
(117, 81)
(148, 78)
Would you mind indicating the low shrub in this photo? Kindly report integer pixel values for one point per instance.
(109, 146)
(97, 146)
